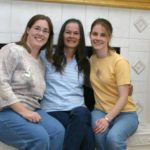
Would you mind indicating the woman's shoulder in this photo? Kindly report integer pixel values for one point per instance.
(11, 54)
(93, 57)
(119, 60)
(12, 47)
(7, 46)
(42, 54)
(117, 57)
(44, 59)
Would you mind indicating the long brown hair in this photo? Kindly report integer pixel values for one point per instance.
(48, 44)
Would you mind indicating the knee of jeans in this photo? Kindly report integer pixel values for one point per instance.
(43, 138)
(113, 139)
(115, 142)
(82, 114)
(60, 132)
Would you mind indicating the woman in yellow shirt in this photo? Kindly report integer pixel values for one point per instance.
(114, 118)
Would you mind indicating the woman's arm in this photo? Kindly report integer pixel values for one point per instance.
(102, 124)
(25, 112)
(9, 59)
(123, 91)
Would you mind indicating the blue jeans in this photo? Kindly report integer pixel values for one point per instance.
(79, 134)
(120, 128)
(16, 131)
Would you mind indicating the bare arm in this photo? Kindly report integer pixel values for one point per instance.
(102, 124)
(25, 112)
(123, 91)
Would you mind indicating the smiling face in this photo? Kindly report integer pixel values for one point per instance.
(99, 37)
(71, 36)
(38, 34)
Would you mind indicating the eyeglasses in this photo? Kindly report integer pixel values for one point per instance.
(38, 29)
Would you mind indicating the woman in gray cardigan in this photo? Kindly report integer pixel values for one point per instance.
(22, 123)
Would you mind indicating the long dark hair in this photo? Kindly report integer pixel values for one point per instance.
(48, 44)
(59, 59)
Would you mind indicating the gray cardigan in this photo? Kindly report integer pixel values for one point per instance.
(21, 77)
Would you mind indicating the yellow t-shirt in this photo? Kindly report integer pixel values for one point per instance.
(106, 75)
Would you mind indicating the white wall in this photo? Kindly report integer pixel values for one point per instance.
(134, 43)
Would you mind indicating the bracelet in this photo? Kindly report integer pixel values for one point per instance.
(107, 119)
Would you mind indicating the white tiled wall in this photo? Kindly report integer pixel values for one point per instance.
(134, 42)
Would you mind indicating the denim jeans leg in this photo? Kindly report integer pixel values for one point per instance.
(61, 116)
(78, 128)
(99, 137)
(77, 122)
(123, 126)
(54, 129)
(88, 141)
(22, 134)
